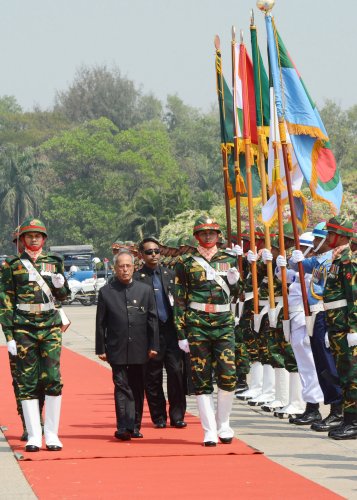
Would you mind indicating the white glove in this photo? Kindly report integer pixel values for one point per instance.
(281, 261)
(184, 345)
(57, 280)
(11, 347)
(297, 256)
(233, 275)
(267, 255)
(251, 256)
(236, 249)
(352, 339)
(327, 342)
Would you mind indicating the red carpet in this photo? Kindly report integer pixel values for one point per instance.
(95, 465)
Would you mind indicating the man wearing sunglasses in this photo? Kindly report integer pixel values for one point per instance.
(162, 281)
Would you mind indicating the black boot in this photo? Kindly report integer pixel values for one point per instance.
(310, 415)
(333, 420)
(241, 384)
(347, 429)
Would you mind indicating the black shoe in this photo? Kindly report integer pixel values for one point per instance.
(327, 424)
(308, 418)
(122, 435)
(24, 436)
(180, 424)
(53, 447)
(209, 443)
(256, 403)
(136, 434)
(31, 448)
(225, 440)
(345, 431)
(293, 417)
(160, 424)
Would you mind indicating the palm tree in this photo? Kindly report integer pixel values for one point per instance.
(20, 194)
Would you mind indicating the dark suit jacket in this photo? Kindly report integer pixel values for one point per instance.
(167, 279)
(126, 324)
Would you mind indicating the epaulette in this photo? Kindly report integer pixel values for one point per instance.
(346, 256)
(11, 258)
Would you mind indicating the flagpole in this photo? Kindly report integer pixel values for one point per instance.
(287, 167)
(236, 152)
(276, 178)
(224, 147)
(263, 178)
(248, 164)
(266, 7)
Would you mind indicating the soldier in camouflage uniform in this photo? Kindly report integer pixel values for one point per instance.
(340, 303)
(33, 329)
(204, 321)
(247, 349)
(13, 359)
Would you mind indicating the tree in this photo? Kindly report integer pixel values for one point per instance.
(100, 92)
(9, 104)
(20, 193)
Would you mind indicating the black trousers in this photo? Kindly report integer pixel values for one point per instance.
(325, 363)
(170, 356)
(129, 396)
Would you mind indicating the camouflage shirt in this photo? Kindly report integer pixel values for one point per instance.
(192, 285)
(16, 288)
(341, 285)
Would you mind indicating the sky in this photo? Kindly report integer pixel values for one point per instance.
(166, 46)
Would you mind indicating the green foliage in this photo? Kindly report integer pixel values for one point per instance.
(99, 91)
(111, 162)
(20, 194)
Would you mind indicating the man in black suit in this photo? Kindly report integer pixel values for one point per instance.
(162, 280)
(127, 336)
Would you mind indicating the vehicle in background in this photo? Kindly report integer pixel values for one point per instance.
(80, 256)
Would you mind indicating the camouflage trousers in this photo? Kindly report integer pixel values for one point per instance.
(247, 348)
(38, 361)
(242, 355)
(208, 348)
(346, 364)
(273, 348)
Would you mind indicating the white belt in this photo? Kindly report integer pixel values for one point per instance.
(315, 308)
(34, 308)
(209, 308)
(295, 309)
(336, 304)
(267, 303)
(248, 296)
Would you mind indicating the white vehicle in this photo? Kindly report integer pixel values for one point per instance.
(81, 291)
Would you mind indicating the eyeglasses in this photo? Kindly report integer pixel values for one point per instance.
(151, 251)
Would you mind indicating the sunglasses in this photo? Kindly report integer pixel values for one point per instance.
(151, 251)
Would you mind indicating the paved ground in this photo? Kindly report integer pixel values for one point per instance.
(332, 464)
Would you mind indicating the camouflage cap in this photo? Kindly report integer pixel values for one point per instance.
(275, 242)
(288, 230)
(15, 234)
(32, 225)
(259, 233)
(340, 225)
(205, 222)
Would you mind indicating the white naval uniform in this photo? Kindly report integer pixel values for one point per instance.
(300, 341)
